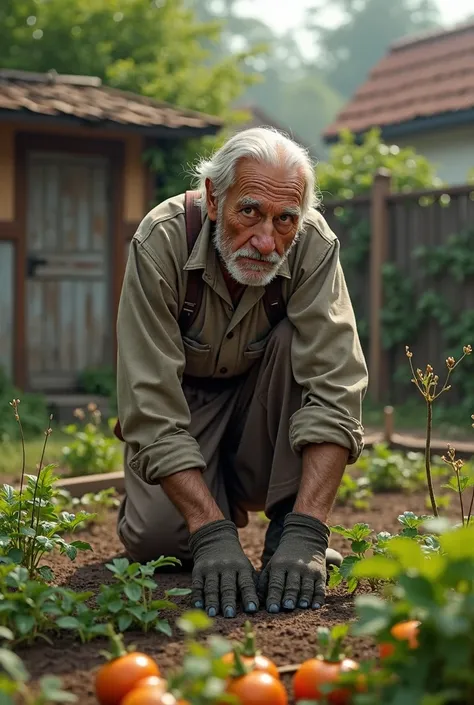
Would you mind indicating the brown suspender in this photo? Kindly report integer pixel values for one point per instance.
(272, 299)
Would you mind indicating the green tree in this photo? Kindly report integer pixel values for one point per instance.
(349, 50)
(350, 168)
(154, 48)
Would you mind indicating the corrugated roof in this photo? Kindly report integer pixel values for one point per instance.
(85, 98)
(420, 77)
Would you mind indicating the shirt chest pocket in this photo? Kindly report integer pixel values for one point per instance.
(199, 358)
(256, 350)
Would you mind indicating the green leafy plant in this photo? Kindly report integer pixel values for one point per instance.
(91, 450)
(364, 542)
(427, 384)
(34, 410)
(202, 676)
(99, 504)
(439, 592)
(130, 602)
(14, 681)
(354, 491)
(30, 526)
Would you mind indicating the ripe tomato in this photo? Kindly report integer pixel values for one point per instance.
(316, 672)
(117, 677)
(258, 663)
(148, 695)
(258, 688)
(403, 631)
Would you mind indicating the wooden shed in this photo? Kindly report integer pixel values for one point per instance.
(73, 188)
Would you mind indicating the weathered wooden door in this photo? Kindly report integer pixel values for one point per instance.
(69, 321)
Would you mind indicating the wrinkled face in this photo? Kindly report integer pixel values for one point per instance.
(258, 222)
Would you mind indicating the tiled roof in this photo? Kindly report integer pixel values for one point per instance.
(419, 78)
(86, 99)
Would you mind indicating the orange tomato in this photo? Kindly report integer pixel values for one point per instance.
(316, 672)
(148, 695)
(403, 631)
(258, 688)
(119, 676)
(258, 663)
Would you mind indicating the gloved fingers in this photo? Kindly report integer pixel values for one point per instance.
(247, 581)
(319, 595)
(307, 592)
(291, 590)
(211, 593)
(229, 593)
(197, 589)
(276, 585)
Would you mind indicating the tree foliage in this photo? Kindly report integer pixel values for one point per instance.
(155, 48)
(351, 167)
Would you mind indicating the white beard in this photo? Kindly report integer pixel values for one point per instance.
(250, 273)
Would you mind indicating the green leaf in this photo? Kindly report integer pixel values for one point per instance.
(178, 592)
(81, 545)
(133, 592)
(15, 555)
(163, 605)
(360, 546)
(115, 606)
(24, 623)
(335, 577)
(4, 541)
(193, 621)
(377, 568)
(68, 623)
(150, 616)
(358, 532)
(6, 633)
(162, 625)
(46, 573)
(347, 565)
(28, 531)
(373, 615)
(418, 590)
(118, 566)
(124, 621)
(51, 688)
(138, 611)
(13, 665)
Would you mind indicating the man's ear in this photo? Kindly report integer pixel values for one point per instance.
(211, 201)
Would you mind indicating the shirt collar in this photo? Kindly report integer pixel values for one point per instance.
(203, 254)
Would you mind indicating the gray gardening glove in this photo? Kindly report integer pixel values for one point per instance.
(221, 569)
(296, 573)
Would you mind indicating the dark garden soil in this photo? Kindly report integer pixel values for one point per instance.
(287, 638)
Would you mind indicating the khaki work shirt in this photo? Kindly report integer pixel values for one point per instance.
(326, 354)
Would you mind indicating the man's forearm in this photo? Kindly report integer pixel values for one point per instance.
(323, 467)
(192, 498)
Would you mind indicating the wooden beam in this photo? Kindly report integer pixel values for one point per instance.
(9, 230)
(378, 256)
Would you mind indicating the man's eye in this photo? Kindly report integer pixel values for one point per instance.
(286, 218)
(248, 210)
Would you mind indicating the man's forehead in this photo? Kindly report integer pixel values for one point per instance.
(259, 182)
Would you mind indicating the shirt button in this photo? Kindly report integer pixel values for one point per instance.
(230, 335)
(223, 370)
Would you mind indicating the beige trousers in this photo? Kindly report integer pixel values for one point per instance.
(242, 432)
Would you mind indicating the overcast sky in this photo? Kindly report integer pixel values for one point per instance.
(281, 14)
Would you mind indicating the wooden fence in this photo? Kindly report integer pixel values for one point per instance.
(409, 263)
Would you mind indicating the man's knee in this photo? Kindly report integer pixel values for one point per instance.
(146, 538)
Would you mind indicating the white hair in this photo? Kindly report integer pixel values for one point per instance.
(262, 144)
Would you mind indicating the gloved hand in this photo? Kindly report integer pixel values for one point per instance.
(221, 568)
(296, 573)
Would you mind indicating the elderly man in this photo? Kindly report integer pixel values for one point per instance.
(240, 378)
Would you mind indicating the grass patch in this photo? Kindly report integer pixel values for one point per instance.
(10, 458)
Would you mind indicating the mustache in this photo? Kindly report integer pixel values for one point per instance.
(272, 258)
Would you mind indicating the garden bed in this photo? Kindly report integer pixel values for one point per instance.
(287, 638)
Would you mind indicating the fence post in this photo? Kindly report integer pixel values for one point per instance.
(378, 255)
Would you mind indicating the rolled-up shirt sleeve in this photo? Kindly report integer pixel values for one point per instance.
(326, 354)
(152, 409)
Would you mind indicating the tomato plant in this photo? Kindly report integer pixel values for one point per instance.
(321, 676)
(402, 631)
(251, 657)
(122, 671)
(258, 688)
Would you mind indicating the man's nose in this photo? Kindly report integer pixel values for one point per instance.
(263, 241)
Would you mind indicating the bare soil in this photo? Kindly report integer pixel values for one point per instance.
(287, 638)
